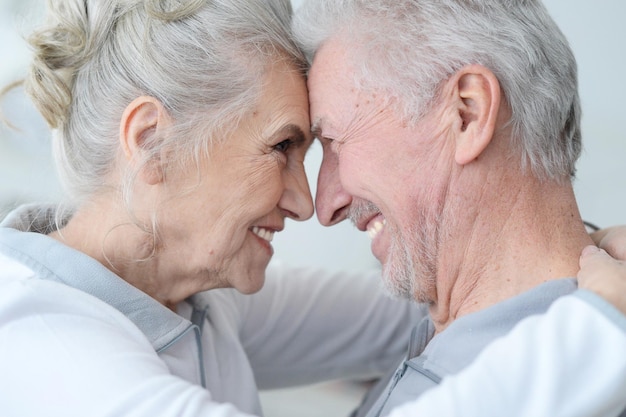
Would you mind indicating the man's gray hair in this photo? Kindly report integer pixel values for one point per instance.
(407, 48)
(203, 60)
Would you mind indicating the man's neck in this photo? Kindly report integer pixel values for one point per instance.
(530, 234)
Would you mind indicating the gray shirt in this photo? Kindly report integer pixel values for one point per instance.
(430, 358)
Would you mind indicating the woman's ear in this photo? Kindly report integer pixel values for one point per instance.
(142, 119)
(478, 95)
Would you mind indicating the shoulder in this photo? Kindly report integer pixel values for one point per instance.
(24, 297)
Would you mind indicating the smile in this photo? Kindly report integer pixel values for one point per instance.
(263, 233)
(375, 227)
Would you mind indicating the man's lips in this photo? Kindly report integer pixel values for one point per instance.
(375, 225)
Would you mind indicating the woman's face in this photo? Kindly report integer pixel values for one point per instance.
(218, 234)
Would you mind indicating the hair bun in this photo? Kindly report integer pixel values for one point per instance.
(170, 10)
(59, 51)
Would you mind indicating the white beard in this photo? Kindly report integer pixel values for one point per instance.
(411, 268)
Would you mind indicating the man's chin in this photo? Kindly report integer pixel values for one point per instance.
(397, 282)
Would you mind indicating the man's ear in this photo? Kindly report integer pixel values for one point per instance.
(143, 118)
(477, 92)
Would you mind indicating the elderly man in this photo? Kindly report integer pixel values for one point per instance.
(450, 132)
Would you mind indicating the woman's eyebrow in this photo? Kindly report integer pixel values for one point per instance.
(292, 131)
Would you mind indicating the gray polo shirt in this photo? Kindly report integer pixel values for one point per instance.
(430, 358)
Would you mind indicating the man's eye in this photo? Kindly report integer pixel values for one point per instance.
(283, 146)
(329, 143)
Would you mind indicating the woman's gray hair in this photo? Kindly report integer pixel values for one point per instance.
(204, 60)
(407, 48)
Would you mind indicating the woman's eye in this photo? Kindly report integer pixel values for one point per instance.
(283, 146)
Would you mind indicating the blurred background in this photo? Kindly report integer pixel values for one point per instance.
(596, 32)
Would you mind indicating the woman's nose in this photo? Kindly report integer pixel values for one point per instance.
(296, 201)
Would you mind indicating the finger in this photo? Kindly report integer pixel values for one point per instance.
(589, 250)
(593, 258)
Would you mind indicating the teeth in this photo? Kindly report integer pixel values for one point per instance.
(376, 227)
(263, 233)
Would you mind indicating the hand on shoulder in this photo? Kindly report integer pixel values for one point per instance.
(603, 275)
(612, 240)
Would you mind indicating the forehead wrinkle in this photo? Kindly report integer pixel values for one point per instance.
(364, 118)
(355, 128)
(280, 120)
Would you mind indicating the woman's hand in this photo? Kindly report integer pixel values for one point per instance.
(613, 240)
(603, 274)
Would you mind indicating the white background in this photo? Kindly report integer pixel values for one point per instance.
(596, 31)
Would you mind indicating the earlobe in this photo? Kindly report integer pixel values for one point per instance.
(478, 96)
(141, 121)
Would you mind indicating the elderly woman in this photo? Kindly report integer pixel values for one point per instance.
(180, 133)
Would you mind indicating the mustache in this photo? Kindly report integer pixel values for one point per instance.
(361, 208)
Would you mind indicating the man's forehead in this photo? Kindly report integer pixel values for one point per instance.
(340, 106)
(345, 116)
(332, 96)
(331, 70)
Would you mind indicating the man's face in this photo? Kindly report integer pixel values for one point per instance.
(388, 177)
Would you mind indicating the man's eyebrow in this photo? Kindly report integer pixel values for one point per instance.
(316, 129)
